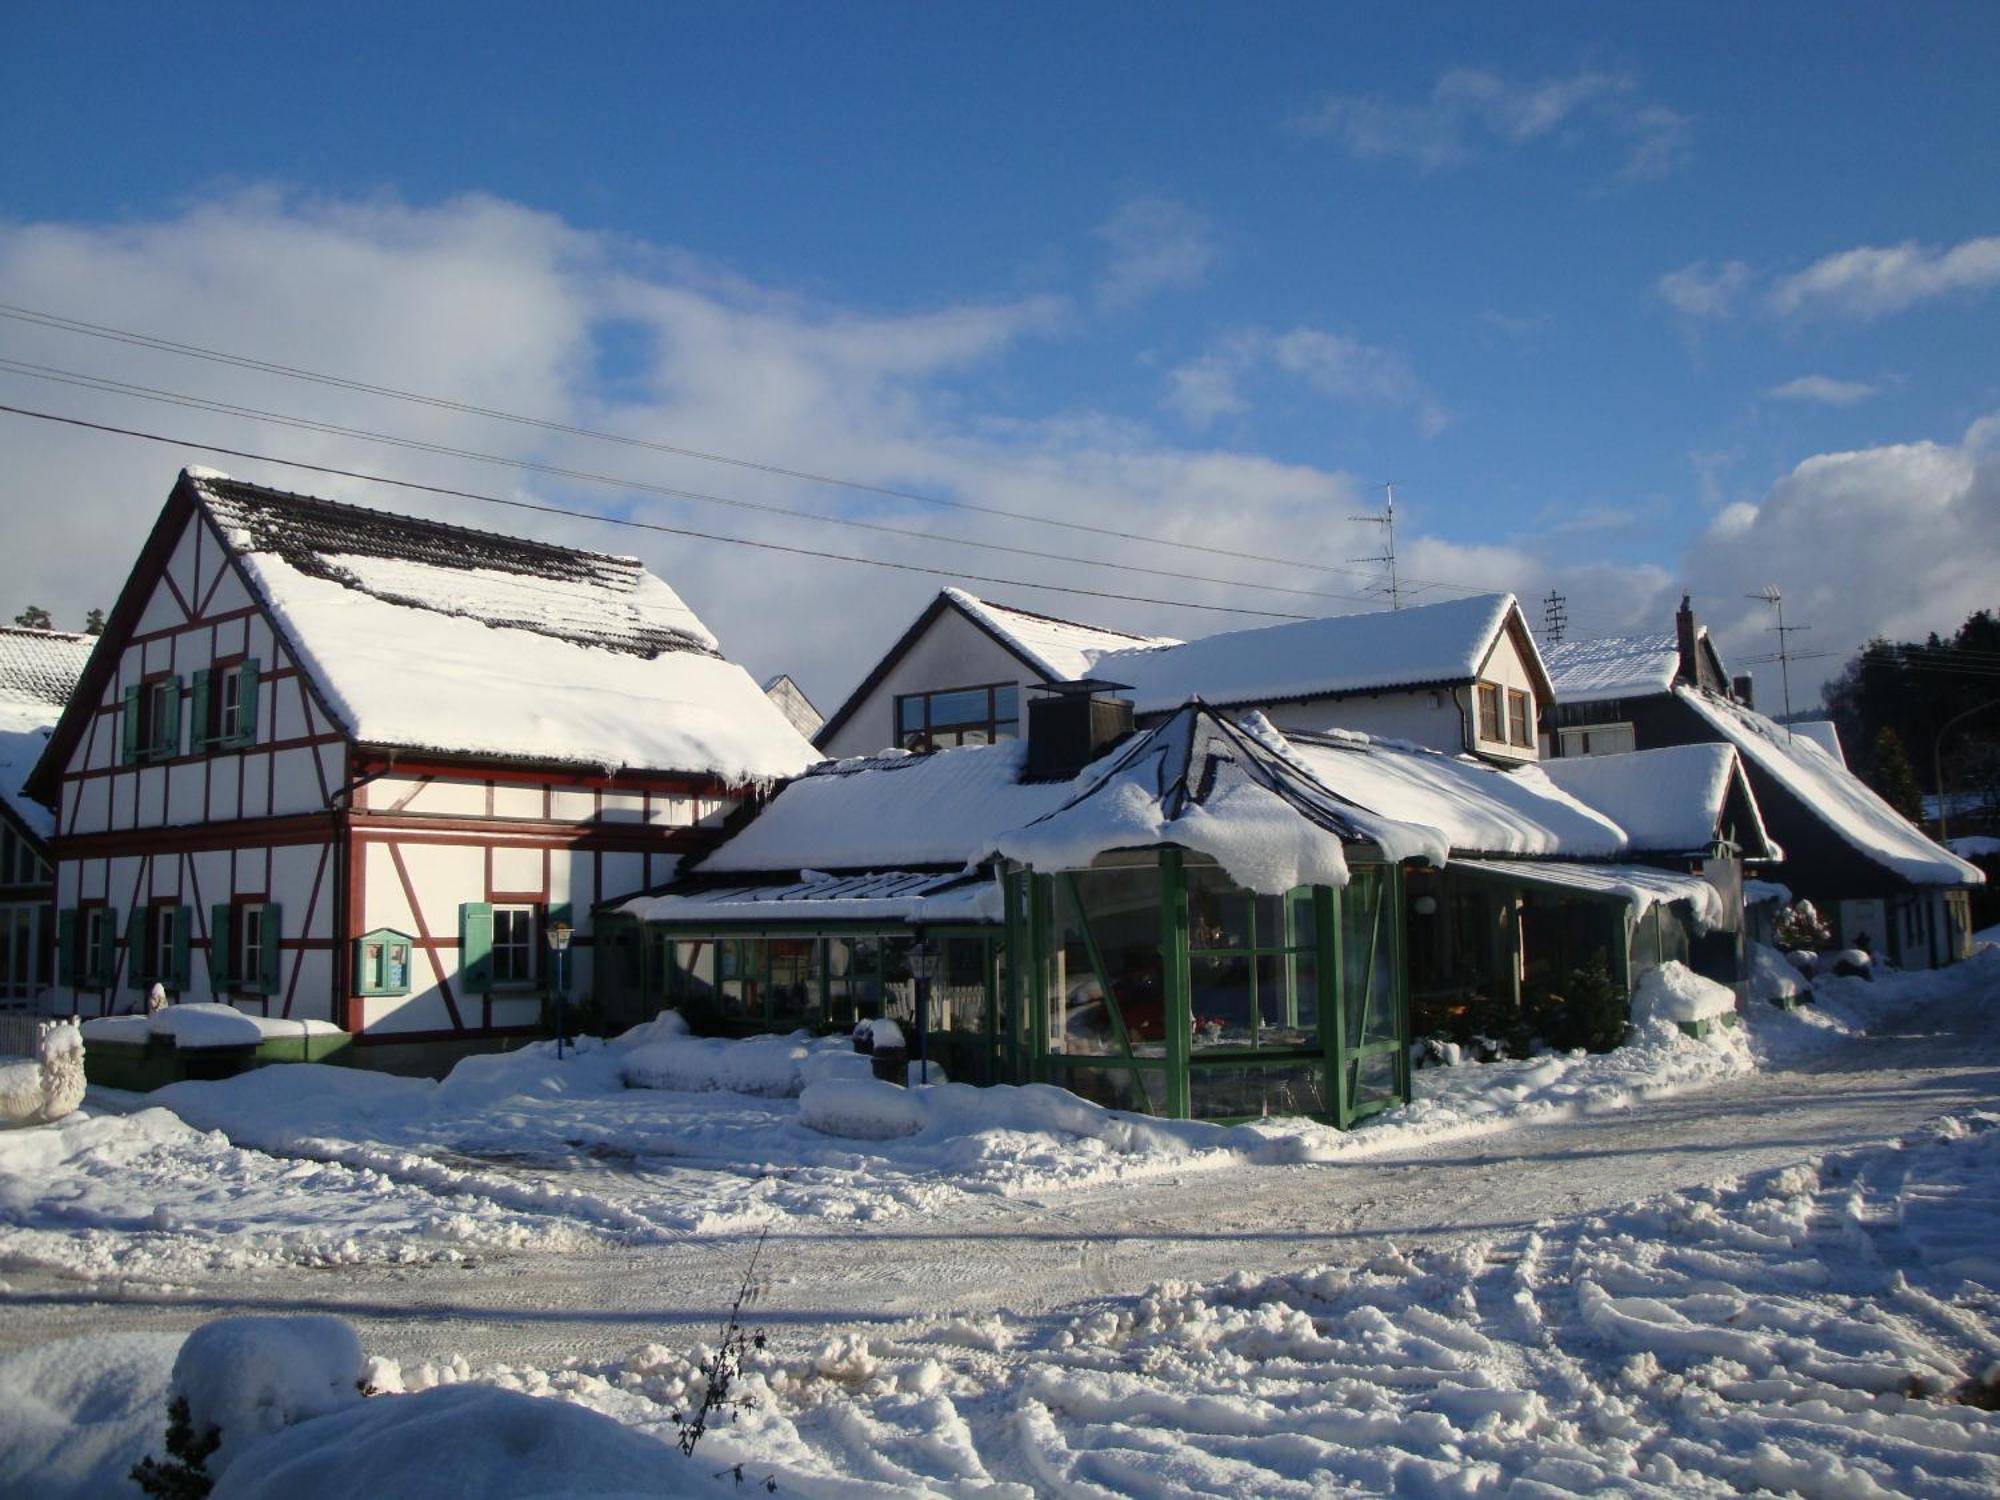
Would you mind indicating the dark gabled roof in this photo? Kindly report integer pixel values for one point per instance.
(591, 601)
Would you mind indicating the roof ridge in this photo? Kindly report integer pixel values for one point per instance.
(1034, 614)
(36, 633)
(221, 483)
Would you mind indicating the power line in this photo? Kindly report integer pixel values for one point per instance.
(57, 323)
(108, 386)
(653, 526)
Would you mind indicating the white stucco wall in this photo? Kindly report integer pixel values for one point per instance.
(952, 653)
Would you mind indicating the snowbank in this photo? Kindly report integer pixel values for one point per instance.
(764, 1066)
(75, 1416)
(205, 1024)
(863, 1109)
(471, 1440)
(1674, 992)
(1772, 975)
(249, 1377)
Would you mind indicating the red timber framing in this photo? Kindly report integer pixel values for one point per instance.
(286, 819)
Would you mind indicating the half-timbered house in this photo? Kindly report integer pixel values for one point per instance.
(38, 672)
(331, 762)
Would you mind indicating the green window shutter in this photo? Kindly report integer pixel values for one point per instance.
(128, 728)
(183, 931)
(221, 950)
(137, 960)
(475, 947)
(66, 947)
(269, 954)
(167, 733)
(198, 735)
(105, 960)
(246, 705)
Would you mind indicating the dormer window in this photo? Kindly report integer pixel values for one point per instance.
(1520, 731)
(1491, 727)
(958, 716)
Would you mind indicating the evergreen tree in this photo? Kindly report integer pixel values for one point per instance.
(34, 617)
(1893, 778)
(93, 623)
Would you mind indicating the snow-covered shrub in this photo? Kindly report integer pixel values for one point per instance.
(240, 1379)
(1801, 926)
(1773, 977)
(863, 1109)
(1588, 1011)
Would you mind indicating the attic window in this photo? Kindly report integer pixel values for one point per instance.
(958, 716)
(1518, 729)
(1490, 725)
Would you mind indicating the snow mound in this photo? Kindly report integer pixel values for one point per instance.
(863, 1109)
(1674, 992)
(75, 1416)
(253, 1376)
(460, 1440)
(763, 1065)
(664, 1027)
(205, 1024)
(1772, 976)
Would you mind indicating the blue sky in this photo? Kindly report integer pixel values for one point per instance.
(1588, 282)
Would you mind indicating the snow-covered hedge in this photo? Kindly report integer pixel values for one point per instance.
(1674, 992)
(250, 1377)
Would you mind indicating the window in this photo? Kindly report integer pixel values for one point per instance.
(243, 947)
(958, 716)
(150, 726)
(1490, 726)
(95, 961)
(156, 947)
(1519, 731)
(382, 962)
(19, 864)
(225, 706)
(513, 945)
(1598, 739)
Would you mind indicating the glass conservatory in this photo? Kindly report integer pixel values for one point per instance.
(1147, 981)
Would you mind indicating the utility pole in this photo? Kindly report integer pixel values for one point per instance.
(1555, 619)
(1387, 521)
(1771, 596)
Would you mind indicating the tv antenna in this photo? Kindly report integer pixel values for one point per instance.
(1387, 521)
(1555, 618)
(1771, 595)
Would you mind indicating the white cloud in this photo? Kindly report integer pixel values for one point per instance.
(1899, 540)
(1330, 364)
(1824, 389)
(1153, 245)
(1874, 281)
(1704, 290)
(1860, 285)
(1468, 108)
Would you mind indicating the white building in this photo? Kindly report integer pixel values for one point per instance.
(334, 763)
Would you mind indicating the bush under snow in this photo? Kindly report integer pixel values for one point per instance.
(250, 1377)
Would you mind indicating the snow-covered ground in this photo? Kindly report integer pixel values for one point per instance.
(947, 1266)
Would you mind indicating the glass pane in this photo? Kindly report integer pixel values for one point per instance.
(1141, 1090)
(793, 995)
(1287, 1088)
(1007, 729)
(1368, 959)
(1222, 915)
(1007, 702)
(1371, 1081)
(967, 706)
(913, 714)
(1117, 924)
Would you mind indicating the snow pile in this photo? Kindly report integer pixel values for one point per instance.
(1772, 976)
(249, 1377)
(75, 1416)
(464, 1440)
(206, 1024)
(767, 1066)
(863, 1109)
(1674, 992)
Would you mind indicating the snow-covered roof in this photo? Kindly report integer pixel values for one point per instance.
(1612, 666)
(1668, 801)
(1476, 808)
(892, 811)
(1823, 733)
(1834, 794)
(900, 896)
(1640, 886)
(1233, 793)
(421, 635)
(1064, 650)
(1429, 643)
(38, 673)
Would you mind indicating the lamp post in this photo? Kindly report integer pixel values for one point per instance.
(923, 961)
(558, 934)
(1937, 764)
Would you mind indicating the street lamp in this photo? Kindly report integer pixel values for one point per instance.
(558, 934)
(923, 961)
(1937, 764)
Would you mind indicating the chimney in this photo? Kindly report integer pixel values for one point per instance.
(1746, 690)
(1684, 634)
(1073, 724)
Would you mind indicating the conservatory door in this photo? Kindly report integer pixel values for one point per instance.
(1371, 1057)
